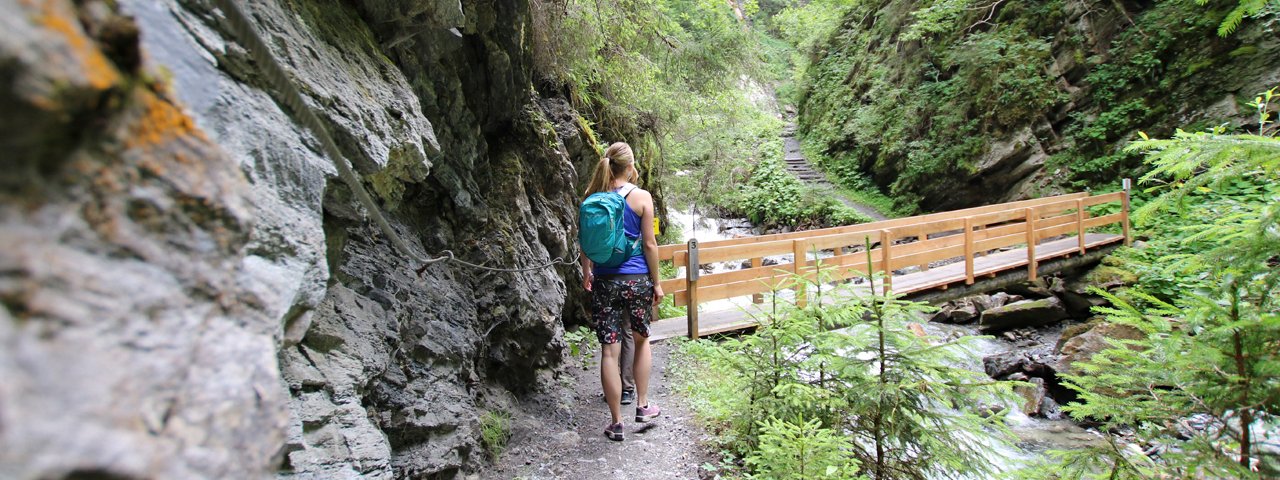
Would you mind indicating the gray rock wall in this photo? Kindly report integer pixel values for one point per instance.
(188, 290)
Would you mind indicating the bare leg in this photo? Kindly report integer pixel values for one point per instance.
(611, 380)
(643, 360)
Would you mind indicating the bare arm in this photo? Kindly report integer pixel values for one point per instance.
(586, 271)
(650, 245)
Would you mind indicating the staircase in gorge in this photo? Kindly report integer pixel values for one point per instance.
(799, 166)
(796, 162)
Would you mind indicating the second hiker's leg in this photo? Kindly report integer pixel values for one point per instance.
(626, 360)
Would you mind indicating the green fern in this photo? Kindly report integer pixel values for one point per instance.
(1246, 8)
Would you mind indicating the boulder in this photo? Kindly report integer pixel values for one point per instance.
(963, 313)
(1032, 363)
(1033, 395)
(1084, 346)
(1078, 304)
(1106, 277)
(1073, 331)
(1027, 313)
(965, 310)
(1038, 288)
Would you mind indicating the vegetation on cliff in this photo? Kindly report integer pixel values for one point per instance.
(910, 92)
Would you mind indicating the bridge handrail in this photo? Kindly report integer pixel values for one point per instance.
(898, 243)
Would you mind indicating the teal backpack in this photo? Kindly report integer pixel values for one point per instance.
(600, 228)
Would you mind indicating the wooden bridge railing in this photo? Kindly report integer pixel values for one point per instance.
(960, 235)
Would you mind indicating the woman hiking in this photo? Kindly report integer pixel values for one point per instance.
(626, 292)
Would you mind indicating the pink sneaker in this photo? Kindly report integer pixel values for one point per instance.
(647, 412)
(614, 432)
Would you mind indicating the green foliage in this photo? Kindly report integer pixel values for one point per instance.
(807, 395)
(909, 92)
(668, 309)
(495, 430)
(580, 340)
(855, 185)
(1242, 10)
(1208, 302)
(801, 450)
(775, 197)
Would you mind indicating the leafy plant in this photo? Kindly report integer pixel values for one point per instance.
(495, 430)
(801, 450)
(580, 340)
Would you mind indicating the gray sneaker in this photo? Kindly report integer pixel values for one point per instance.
(628, 396)
(647, 412)
(614, 432)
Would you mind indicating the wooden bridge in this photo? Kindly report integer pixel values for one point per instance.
(962, 250)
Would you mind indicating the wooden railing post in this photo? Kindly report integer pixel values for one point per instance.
(886, 254)
(797, 249)
(691, 286)
(1031, 243)
(1124, 212)
(968, 250)
(756, 263)
(1080, 224)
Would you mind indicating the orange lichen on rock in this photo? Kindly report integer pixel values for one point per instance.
(160, 122)
(97, 69)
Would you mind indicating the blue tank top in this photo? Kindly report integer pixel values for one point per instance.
(636, 264)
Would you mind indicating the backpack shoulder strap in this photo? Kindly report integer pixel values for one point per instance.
(627, 189)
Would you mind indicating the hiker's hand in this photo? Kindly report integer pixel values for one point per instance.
(586, 281)
(657, 294)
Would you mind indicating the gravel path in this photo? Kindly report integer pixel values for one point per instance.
(565, 440)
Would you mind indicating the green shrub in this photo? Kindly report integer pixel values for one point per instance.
(805, 397)
(495, 430)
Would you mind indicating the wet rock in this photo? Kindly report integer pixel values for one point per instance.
(1033, 395)
(1106, 277)
(1075, 330)
(1032, 362)
(1084, 346)
(1042, 287)
(1079, 305)
(1026, 313)
(965, 310)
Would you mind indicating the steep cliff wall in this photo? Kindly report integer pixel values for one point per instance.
(953, 106)
(190, 292)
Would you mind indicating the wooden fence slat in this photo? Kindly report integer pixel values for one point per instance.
(886, 251)
(1031, 243)
(928, 256)
(968, 250)
(742, 252)
(1080, 225)
(1103, 220)
(1100, 199)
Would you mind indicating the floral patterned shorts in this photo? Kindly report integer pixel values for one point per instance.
(612, 300)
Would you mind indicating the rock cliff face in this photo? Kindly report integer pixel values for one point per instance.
(190, 292)
(986, 105)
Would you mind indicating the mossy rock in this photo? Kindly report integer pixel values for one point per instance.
(1108, 276)
(1075, 331)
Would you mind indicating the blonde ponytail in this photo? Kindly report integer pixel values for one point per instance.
(616, 162)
